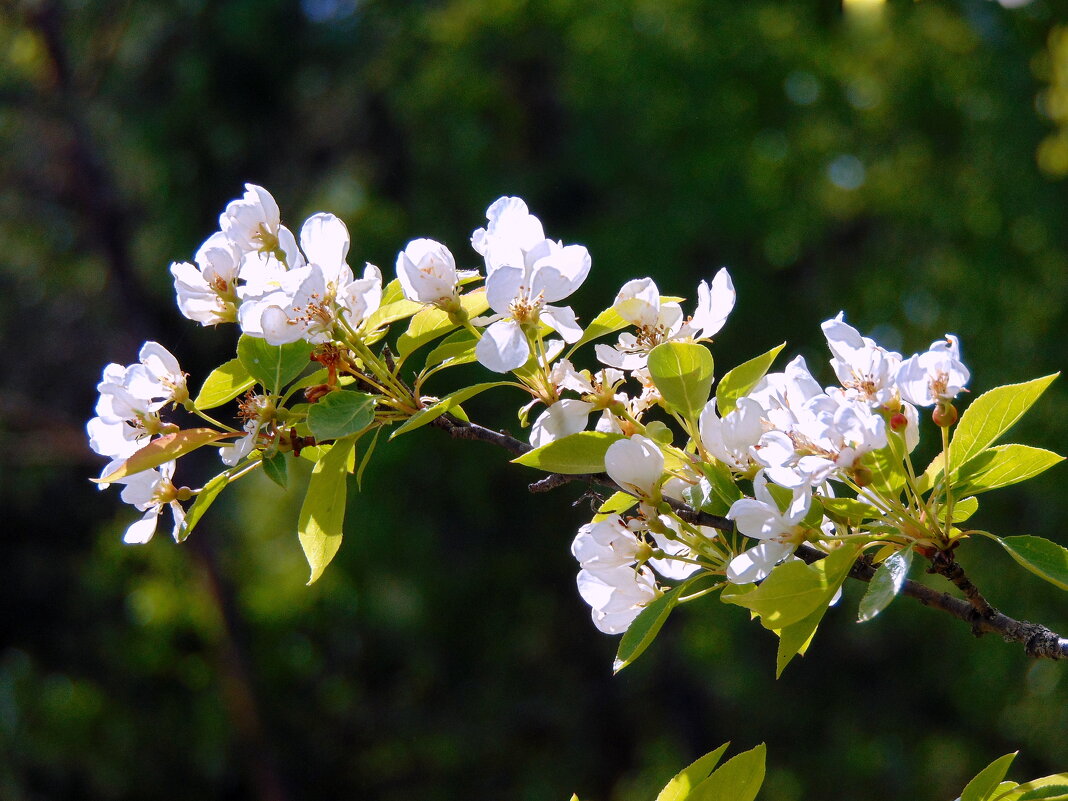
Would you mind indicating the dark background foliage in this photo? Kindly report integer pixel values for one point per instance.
(903, 167)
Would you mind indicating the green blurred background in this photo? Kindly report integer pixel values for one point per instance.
(905, 164)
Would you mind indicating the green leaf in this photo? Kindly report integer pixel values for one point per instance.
(794, 590)
(431, 322)
(795, 638)
(575, 454)
(1055, 792)
(341, 413)
(739, 779)
(366, 460)
(617, 503)
(737, 382)
(849, 511)
(683, 372)
(703, 497)
(390, 313)
(205, 498)
(322, 515)
(1001, 466)
(887, 470)
(1045, 559)
(722, 482)
(446, 404)
(987, 418)
(641, 633)
(276, 470)
(887, 582)
(962, 510)
(457, 348)
(272, 365)
(678, 789)
(223, 384)
(980, 788)
(603, 324)
(163, 449)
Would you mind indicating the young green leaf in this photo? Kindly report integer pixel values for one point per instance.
(980, 788)
(163, 449)
(738, 779)
(341, 413)
(205, 498)
(617, 503)
(574, 454)
(885, 584)
(457, 348)
(276, 469)
(737, 382)
(640, 634)
(1045, 559)
(431, 322)
(322, 515)
(390, 313)
(273, 366)
(223, 384)
(683, 372)
(366, 460)
(605, 323)
(1034, 789)
(678, 789)
(991, 415)
(446, 404)
(795, 638)
(1001, 466)
(794, 590)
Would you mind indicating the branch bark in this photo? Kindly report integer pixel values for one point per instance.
(1039, 642)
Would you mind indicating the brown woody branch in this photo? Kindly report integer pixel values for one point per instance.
(1038, 641)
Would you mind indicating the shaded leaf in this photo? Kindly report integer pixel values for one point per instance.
(641, 633)
(887, 582)
(341, 413)
(276, 469)
(273, 366)
(205, 498)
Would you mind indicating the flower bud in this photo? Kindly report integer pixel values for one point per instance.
(944, 415)
(862, 476)
(898, 422)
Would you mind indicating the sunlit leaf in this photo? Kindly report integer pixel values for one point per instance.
(163, 449)
(980, 788)
(603, 324)
(1002, 466)
(575, 454)
(431, 322)
(738, 779)
(223, 384)
(1045, 559)
(678, 789)
(737, 382)
(683, 372)
(447, 404)
(322, 515)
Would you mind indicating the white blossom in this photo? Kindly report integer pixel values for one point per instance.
(149, 491)
(617, 596)
(866, 370)
(731, 438)
(935, 376)
(761, 518)
(427, 273)
(635, 464)
(207, 291)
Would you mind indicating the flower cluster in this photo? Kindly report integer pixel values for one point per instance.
(768, 462)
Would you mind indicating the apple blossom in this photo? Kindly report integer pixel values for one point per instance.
(762, 518)
(731, 438)
(207, 291)
(617, 595)
(866, 370)
(512, 231)
(253, 224)
(149, 491)
(427, 273)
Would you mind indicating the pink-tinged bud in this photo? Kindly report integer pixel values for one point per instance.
(944, 415)
(862, 476)
(898, 422)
